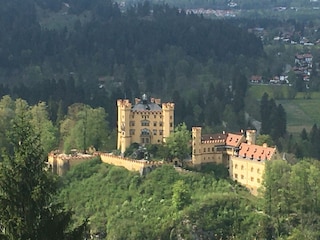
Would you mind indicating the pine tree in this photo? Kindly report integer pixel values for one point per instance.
(27, 207)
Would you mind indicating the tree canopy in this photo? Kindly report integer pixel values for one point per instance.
(28, 209)
(178, 143)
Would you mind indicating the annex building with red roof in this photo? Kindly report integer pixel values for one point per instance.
(237, 151)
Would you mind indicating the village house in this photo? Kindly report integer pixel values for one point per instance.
(256, 79)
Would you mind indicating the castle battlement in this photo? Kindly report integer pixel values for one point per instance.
(61, 163)
(124, 103)
(130, 164)
(168, 106)
(213, 141)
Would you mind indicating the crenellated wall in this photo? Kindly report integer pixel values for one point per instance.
(130, 164)
(61, 163)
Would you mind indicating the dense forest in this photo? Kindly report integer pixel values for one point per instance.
(107, 54)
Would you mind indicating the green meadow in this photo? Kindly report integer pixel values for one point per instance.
(302, 111)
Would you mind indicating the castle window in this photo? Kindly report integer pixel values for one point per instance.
(204, 149)
(132, 132)
(236, 175)
(145, 131)
(252, 169)
(194, 151)
(242, 177)
(160, 124)
(208, 149)
(132, 123)
(170, 117)
(154, 124)
(154, 132)
(160, 132)
(258, 180)
(144, 123)
(236, 166)
(171, 124)
(213, 149)
(252, 179)
(154, 116)
(258, 170)
(242, 167)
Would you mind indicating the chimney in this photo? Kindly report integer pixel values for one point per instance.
(251, 136)
(157, 101)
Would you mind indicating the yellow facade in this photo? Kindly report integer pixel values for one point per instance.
(237, 151)
(146, 122)
(206, 150)
(247, 172)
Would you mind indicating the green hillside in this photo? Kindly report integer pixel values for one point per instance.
(166, 204)
(162, 205)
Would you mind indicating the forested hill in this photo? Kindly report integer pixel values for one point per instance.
(56, 52)
(110, 37)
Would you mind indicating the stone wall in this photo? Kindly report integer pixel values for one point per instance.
(130, 164)
(61, 163)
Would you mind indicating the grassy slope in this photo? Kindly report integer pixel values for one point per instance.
(301, 112)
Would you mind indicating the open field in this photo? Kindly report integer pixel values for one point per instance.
(301, 112)
(274, 91)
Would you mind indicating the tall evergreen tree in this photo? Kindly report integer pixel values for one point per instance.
(27, 208)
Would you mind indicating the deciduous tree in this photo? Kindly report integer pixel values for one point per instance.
(178, 142)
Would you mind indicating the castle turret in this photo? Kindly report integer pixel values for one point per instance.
(124, 138)
(167, 119)
(196, 146)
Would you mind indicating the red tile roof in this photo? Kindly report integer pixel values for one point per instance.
(256, 78)
(256, 152)
(233, 139)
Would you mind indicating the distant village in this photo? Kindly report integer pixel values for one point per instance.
(302, 67)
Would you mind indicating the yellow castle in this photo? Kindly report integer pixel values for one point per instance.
(237, 151)
(146, 122)
(150, 122)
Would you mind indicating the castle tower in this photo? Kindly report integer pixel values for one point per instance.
(196, 145)
(167, 119)
(124, 138)
(251, 136)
